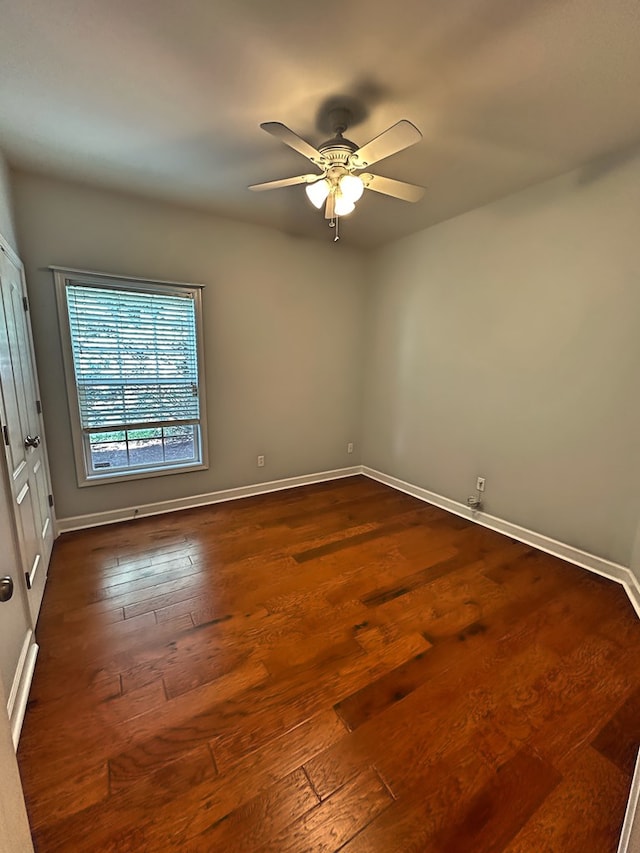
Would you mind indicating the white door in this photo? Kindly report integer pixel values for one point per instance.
(17, 643)
(22, 433)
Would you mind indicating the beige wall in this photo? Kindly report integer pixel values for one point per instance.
(506, 343)
(15, 836)
(7, 228)
(503, 343)
(283, 334)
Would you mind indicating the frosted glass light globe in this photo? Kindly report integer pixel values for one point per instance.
(351, 187)
(343, 206)
(317, 192)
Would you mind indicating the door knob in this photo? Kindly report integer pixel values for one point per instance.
(32, 441)
(6, 588)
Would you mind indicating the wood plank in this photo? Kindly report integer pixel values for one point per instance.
(256, 824)
(461, 706)
(74, 793)
(120, 822)
(329, 826)
(182, 723)
(350, 541)
(181, 770)
(566, 706)
(441, 563)
(285, 752)
(457, 653)
(430, 801)
(584, 812)
(481, 825)
(154, 805)
(82, 735)
(283, 704)
(619, 739)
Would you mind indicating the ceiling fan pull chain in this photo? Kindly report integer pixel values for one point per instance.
(337, 237)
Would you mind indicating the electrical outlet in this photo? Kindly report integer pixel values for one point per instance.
(350, 447)
(480, 484)
(260, 461)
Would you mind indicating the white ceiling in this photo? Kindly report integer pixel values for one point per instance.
(165, 97)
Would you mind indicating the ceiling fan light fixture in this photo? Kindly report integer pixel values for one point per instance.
(351, 187)
(343, 205)
(317, 192)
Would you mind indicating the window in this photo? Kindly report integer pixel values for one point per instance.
(133, 364)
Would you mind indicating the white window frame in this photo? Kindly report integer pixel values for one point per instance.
(64, 276)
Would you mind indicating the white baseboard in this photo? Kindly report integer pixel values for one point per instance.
(630, 837)
(606, 568)
(19, 693)
(80, 522)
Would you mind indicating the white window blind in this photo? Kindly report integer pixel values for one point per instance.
(135, 357)
(134, 368)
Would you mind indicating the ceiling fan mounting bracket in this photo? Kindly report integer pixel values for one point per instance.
(340, 118)
(338, 150)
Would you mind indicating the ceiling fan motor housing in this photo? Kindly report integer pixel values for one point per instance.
(337, 151)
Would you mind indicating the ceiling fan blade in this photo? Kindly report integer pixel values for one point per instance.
(285, 182)
(330, 207)
(396, 138)
(284, 134)
(389, 186)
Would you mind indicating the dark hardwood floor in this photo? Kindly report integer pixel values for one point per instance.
(335, 667)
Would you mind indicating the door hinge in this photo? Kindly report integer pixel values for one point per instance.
(27, 578)
(25, 302)
(50, 500)
(39, 407)
(5, 433)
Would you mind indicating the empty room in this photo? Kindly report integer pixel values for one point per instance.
(320, 492)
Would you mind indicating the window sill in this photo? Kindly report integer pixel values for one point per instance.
(139, 474)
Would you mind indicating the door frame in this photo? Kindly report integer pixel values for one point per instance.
(18, 691)
(8, 250)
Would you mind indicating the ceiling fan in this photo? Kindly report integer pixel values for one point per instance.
(337, 186)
